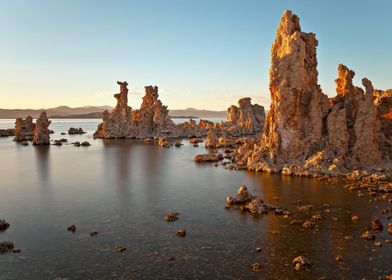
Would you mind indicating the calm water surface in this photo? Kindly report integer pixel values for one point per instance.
(122, 189)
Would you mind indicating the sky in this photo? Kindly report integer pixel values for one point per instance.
(203, 54)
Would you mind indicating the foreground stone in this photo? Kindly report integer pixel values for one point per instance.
(301, 263)
(4, 225)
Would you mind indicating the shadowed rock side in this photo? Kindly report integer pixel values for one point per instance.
(152, 119)
(307, 134)
(41, 132)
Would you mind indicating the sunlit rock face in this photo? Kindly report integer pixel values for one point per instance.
(294, 126)
(247, 118)
(153, 118)
(307, 134)
(118, 123)
(41, 132)
(24, 129)
(383, 102)
(150, 120)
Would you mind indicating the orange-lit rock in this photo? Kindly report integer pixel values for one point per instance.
(306, 133)
(247, 118)
(24, 129)
(41, 132)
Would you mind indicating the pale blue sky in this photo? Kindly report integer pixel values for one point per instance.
(201, 53)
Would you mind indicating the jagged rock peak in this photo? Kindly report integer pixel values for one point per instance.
(344, 82)
(289, 23)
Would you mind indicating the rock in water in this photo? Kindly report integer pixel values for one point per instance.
(24, 129)
(118, 123)
(73, 130)
(306, 133)
(247, 118)
(211, 140)
(4, 225)
(294, 127)
(41, 132)
(152, 119)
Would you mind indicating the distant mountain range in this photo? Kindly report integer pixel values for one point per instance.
(95, 112)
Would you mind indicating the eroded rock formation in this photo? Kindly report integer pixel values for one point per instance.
(118, 123)
(150, 120)
(24, 129)
(307, 134)
(247, 118)
(153, 118)
(41, 131)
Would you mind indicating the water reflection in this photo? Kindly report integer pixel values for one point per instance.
(43, 164)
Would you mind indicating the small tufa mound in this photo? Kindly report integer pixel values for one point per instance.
(181, 232)
(120, 248)
(4, 225)
(71, 228)
(301, 263)
(171, 217)
(248, 202)
(6, 246)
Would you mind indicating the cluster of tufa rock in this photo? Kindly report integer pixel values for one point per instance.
(248, 202)
(152, 119)
(307, 133)
(26, 130)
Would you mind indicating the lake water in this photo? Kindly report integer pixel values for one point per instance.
(123, 189)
